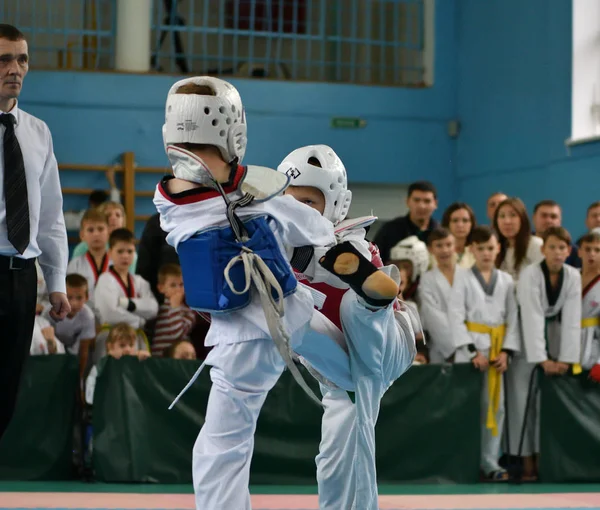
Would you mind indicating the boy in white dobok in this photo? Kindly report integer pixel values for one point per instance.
(549, 294)
(211, 208)
(434, 295)
(380, 340)
(589, 253)
(483, 318)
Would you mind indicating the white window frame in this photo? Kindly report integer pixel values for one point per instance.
(585, 73)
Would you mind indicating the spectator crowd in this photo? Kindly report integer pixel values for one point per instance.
(507, 297)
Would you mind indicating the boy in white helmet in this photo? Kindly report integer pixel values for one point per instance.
(220, 216)
(380, 339)
(206, 208)
(411, 255)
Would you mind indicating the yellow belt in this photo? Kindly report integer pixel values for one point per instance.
(497, 334)
(590, 322)
(140, 332)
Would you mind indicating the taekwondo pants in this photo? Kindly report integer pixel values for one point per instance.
(518, 378)
(242, 374)
(381, 349)
(490, 444)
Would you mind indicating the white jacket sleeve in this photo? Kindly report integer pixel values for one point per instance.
(570, 324)
(511, 339)
(52, 233)
(435, 320)
(457, 314)
(146, 305)
(106, 302)
(300, 225)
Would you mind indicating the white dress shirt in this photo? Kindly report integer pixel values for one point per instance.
(48, 235)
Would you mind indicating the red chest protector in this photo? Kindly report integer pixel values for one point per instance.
(331, 307)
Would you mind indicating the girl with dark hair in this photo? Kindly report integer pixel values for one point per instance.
(459, 218)
(519, 248)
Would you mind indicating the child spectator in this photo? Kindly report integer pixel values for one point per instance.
(589, 253)
(121, 296)
(483, 319)
(114, 212)
(175, 319)
(77, 330)
(410, 255)
(121, 341)
(435, 288)
(95, 261)
(421, 358)
(549, 294)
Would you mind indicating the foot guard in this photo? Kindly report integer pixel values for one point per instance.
(373, 285)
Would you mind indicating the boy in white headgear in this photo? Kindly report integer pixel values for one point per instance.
(224, 220)
(378, 335)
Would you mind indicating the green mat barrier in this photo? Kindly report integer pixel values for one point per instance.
(428, 429)
(570, 430)
(38, 444)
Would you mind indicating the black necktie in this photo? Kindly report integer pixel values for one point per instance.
(15, 187)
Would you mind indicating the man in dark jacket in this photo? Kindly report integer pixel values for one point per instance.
(421, 203)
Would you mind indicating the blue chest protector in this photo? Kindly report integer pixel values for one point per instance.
(203, 259)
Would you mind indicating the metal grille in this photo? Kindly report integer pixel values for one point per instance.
(346, 41)
(65, 34)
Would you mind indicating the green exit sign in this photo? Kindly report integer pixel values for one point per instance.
(348, 123)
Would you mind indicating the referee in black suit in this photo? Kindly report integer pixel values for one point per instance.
(31, 221)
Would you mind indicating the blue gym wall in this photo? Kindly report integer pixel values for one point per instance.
(514, 105)
(95, 117)
(502, 68)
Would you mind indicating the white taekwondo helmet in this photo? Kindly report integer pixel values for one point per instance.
(415, 250)
(217, 119)
(320, 167)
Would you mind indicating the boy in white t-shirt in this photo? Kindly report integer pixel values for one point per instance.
(77, 330)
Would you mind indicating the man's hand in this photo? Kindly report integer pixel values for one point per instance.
(549, 367)
(480, 362)
(60, 306)
(501, 363)
(561, 368)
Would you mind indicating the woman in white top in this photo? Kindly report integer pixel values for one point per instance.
(518, 249)
(459, 219)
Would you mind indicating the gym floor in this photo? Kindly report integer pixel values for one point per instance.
(75, 495)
